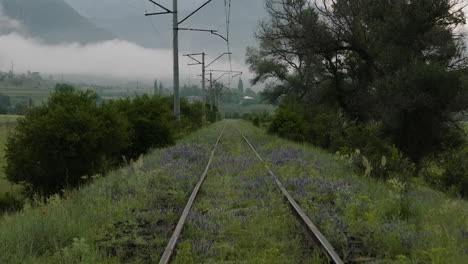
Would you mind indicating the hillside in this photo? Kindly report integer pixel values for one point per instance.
(128, 216)
(53, 21)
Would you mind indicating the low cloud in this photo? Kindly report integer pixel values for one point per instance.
(117, 59)
(8, 24)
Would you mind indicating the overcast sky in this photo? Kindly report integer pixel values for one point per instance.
(117, 58)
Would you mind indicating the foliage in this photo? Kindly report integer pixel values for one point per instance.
(363, 217)
(151, 124)
(363, 144)
(400, 64)
(59, 144)
(212, 114)
(114, 219)
(70, 136)
(192, 115)
(448, 170)
(259, 119)
(142, 203)
(289, 124)
(10, 202)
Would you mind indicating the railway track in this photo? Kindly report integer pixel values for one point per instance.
(319, 241)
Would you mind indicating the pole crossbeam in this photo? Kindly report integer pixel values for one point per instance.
(191, 14)
(239, 72)
(161, 6)
(157, 13)
(198, 29)
(198, 62)
(219, 57)
(221, 36)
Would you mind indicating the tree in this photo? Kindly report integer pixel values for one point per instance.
(161, 88)
(5, 101)
(240, 86)
(58, 143)
(400, 63)
(155, 88)
(151, 124)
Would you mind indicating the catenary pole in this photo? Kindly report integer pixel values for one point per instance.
(203, 72)
(176, 29)
(176, 60)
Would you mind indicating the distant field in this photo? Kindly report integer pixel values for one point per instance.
(241, 109)
(7, 123)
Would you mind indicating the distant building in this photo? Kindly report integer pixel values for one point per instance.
(247, 100)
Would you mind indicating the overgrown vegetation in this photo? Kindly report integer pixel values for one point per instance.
(381, 79)
(62, 143)
(239, 216)
(126, 217)
(364, 217)
(129, 216)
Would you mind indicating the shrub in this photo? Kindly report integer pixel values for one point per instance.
(289, 122)
(70, 136)
(9, 202)
(151, 123)
(364, 143)
(192, 115)
(448, 170)
(212, 115)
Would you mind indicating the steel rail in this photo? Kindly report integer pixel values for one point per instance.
(166, 257)
(316, 235)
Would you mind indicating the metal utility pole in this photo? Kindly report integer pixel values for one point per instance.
(175, 21)
(203, 64)
(176, 28)
(203, 72)
(211, 91)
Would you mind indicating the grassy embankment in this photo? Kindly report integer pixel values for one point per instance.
(128, 216)
(7, 123)
(364, 216)
(125, 217)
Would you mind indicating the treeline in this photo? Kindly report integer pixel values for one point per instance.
(72, 137)
(379, 82)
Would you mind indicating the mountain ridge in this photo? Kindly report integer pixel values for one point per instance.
(53, 22)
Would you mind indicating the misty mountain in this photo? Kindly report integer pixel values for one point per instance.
(125, 18)
(52, 21)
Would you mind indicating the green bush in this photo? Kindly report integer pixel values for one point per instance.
(212, 115)
(75, 135)
(289, 121)
(192, 115)
(151, 123)
(377, 154)
(365, 144)
(448, 170)
(70, 136)
(9, 203)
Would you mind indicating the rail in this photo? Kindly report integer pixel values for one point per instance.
(166, 257)
(313, 231)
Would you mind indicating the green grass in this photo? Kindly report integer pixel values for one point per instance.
(240, 216)
(422, 226)
(129, 215)
(125, 217)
